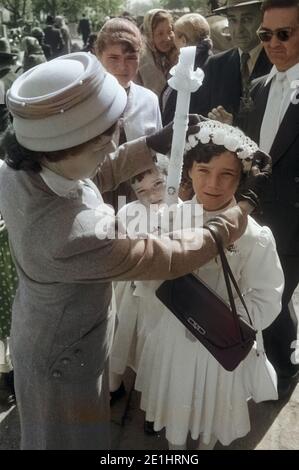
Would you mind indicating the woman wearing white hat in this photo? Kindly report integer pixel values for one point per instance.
(64, 112)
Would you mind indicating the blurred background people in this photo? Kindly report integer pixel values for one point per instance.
(90, 45)
(40, 36)
(53, 37)
(84, 28)
(33, 53)
(7, 77)
(66, 35)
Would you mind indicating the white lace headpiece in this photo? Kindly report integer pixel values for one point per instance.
(232, 138)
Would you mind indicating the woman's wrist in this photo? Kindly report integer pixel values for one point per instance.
(246, 207)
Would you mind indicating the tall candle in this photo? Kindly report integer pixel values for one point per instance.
(185, 80)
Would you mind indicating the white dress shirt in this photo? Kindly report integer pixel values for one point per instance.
(279, 99)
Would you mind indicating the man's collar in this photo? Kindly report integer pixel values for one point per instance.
(254, 53)
(292, 74)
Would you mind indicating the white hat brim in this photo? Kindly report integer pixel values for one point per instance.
(84, 121)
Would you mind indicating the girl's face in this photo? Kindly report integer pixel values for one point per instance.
(163, 36)
(151, 189)
(123, 65)
(216, 182)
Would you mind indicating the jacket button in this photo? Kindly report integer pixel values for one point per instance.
(65, 360)
(296, 205)
(296, 179)
(56, 374)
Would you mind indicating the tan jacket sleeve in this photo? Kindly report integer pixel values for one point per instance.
(87, 259)
(128, 160)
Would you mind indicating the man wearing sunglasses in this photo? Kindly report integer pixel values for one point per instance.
(274, 124)
(225, 92)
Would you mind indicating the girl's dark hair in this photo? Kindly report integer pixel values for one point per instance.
(21, 158)
(203, 153)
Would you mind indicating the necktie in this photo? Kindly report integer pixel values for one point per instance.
(245, 75)
(273, 113)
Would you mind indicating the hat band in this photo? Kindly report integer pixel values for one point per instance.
(56, 104)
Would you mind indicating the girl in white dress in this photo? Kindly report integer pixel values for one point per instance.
(136, 316)
(183, 388)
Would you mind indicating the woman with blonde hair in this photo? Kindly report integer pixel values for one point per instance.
(159, 54)
(189, 30)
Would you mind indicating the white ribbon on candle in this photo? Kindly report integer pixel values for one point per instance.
(185, 80)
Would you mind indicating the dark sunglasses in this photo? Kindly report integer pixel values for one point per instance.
(282, 34)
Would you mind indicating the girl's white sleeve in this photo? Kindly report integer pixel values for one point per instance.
(262, 281)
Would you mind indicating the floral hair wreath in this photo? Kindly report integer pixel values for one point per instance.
(232, 138)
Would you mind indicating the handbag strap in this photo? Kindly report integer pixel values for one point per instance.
(228, 276)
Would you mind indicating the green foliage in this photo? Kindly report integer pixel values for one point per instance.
(180, 4)
(19, 9)
(71, 9)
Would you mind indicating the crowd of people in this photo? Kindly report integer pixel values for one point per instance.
(83, 130)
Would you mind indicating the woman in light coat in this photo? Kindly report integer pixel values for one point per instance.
(67, 250)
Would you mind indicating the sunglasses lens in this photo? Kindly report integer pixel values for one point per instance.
(265, 36)
(283, 35)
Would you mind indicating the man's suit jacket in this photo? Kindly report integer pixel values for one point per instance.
(222, 84)
(280, 202)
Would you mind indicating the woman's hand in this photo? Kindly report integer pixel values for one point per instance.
(161, 140)
(256, 180)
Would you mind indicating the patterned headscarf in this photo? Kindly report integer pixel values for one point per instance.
(162, 61)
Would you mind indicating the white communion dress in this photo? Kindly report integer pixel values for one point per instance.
(183, 388)
(137, 310)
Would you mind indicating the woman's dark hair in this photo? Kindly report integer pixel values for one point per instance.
(21, 158)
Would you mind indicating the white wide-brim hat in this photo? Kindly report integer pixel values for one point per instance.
(64, 102)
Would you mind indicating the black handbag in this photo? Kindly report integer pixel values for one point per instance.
(224, 333)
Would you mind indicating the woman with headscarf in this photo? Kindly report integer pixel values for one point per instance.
(159, 53)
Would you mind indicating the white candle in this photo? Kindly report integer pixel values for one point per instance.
(185, 80)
